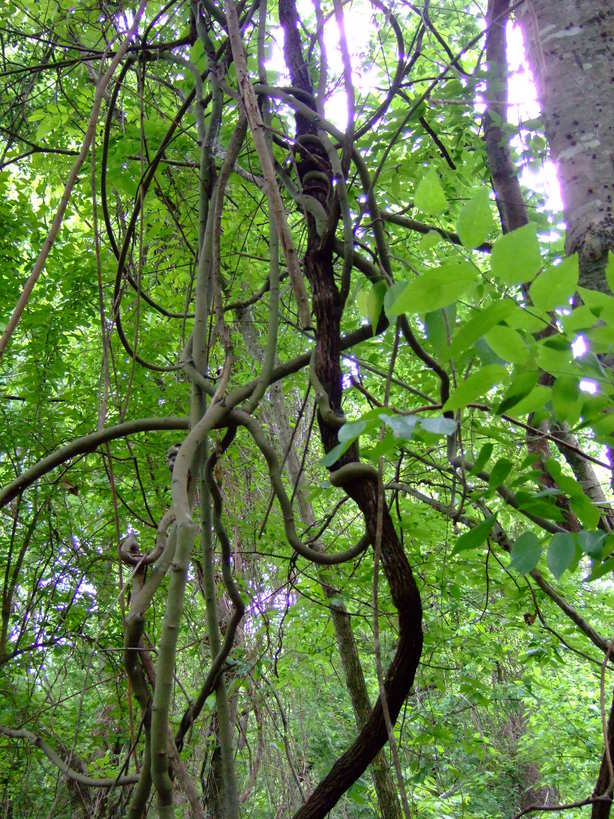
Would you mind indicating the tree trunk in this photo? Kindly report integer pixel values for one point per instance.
(570, 44)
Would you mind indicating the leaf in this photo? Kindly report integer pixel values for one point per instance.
(479, 324)
(526, 552)
(430, 239)
(475, 220)
(556, 285)
(435, 288)
(587, 512)
(475, 536)
(476, 385)
(591, 542)
(429, 196)
(333, 455)
(439, 426)
(508, 344)
(436, 331)
(609, 271)
(482, 459)
(599, 569)
(370, 301)
(561, 553)
(391, 296)
(402, 426)
(515, 257)
(567, 399)
(521, 386)
(499, 473)
(349, 432)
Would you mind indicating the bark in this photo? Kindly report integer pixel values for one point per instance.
(316, 179)
(344, 634)
(510, 202)
(601, 810)
(570, 45)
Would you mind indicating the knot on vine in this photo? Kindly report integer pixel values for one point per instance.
(314, 167)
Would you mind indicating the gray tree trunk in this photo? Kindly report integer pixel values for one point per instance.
(570, 45)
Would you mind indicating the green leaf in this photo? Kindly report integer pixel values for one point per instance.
(436, 330)
(429, 196)
(591, 542)
(499, 473)
(439, 426)
(508, 344)
(479, 324)
(515, 257)
(430, 239)
(402, 426)
(561, 553)
(599, 569)
(435, 288)
(556, 285)
(521, 386)
(475, 536)
(535, 400)
(349, 432)
(370, 301)
(526, 552)
(475, 220)
(587, 512)
(335, 453)
(567, 399)
(609, 271)
(482, 459)
(476, 386)
(538, 504)
(391, 296)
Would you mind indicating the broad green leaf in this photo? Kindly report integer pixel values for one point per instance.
(525, 552)
(476, 386)
(480, 323)
(609, 271)
(349, 432)
(435, 288)
(582, 318)
(556, 285)
(436, 330)
(508, 344)
(391, 296)
(402, 426)
(587, 512)
(515, 257)
(370, 301)
(429, 196)
(439, 426)
(521, 386)
(536, 399)
(474, 537)
(567, 399)
(475, 220)
(561, 553)
(482, 459)
(599, 569)
(538, 504)
(591, 542)
(499, 473)
(528, 318)
(430, 239)
(335, 453)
